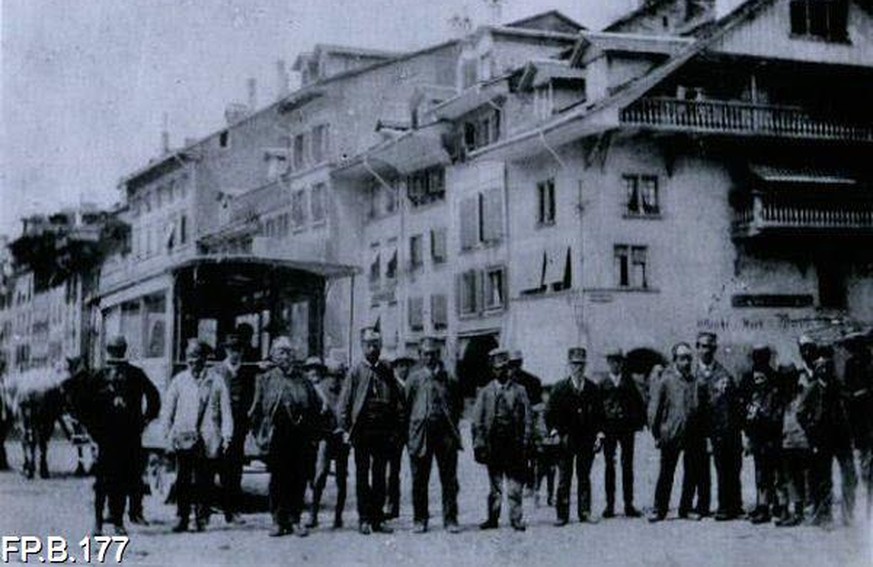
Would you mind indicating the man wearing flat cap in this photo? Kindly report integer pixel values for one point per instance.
(110, 404)
(198, 424)
(725, 421)
(624, 414)
(575, 413)
(371, 415)
(239, 378)
(502, 425)
(434, 404)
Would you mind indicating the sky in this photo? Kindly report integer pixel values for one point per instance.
(84, 85)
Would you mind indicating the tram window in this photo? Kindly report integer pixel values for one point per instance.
(155, 312)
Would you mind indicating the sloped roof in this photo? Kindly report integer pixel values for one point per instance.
(628, 43)
(541, 20)
(541, 72)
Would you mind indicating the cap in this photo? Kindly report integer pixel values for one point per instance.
(499, 357)
(429, 344)
(805, 340)
(196, 348)
(117, 342)
(614, 352)
(233, 341)
(281, 343)
(314, 362)
(515, 356)
(707, 337)
(760, 349)
(577, 354)
(370, 334)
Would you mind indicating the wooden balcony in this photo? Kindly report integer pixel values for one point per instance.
(769, 215)
(730, 117)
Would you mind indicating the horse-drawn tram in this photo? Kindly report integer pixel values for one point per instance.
(207, 298)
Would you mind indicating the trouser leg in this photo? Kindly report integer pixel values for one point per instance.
(821, 485)
(280, 472)
(848, 482)
(184, 483)
(627, 442)
(565, 479)
(363, 462)
(609, 447)
(393, 490)
(204, 486)
(322, 470)
(495, 492)
(694, 461)
(380, 481)
(420, 466)
(703, 460)
(300, 473)
(341, 464)
(514, 488)
(447, 464)
(584, 459)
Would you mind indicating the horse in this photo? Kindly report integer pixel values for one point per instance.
(40, 402)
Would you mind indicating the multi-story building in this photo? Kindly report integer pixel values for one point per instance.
(676, 174)
(49, 271)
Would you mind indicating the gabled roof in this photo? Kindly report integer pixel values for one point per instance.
(648, 7)
(542, 21)
(363, 52)
(627, 43)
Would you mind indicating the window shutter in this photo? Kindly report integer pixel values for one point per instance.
(479, 296)
(416, 313)
(438, 244)
(492, 220)
(439, 311)
(468, 223)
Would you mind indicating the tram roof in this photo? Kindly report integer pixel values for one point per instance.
(324, 269)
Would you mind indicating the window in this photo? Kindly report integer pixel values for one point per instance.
(299, 151)
(320, 143)
(316, 202)
(641, 193)
(298, 208)
(824, 19)
(183, 229)
(438, 247)
(831, 285)
(482, 128)
(494, 289)
(439, 311)
(416, 313)
(391, 267)
(375, 266)
(546, 202)
(275, 166)
(481, 218)
(389, 194)
(224, 139)
(416, 251)
(468, 292)
(631, 266)
(426, 186)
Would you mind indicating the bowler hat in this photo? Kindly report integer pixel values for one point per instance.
(516, 356)
(614, 352)
(499, 357)
(117, 342)
(314, 362)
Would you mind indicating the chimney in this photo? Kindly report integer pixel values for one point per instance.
(495, 11)
(281, 79)
(253, 94)
(165, 135)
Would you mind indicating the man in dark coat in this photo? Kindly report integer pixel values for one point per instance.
(434, 404)
(287, 417)
(858, 393)
(676, 421)
(725, 430)
(625, 414)
(575, 412)
(533, 387)
(502, 427)
(763, 424)
(239, 377)
(371, 415)
(402, 366)
(824, 419)
(110, 405)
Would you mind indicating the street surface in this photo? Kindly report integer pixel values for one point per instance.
(61, 506)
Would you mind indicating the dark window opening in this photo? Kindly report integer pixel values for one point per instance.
(831, 285)
(824, 19)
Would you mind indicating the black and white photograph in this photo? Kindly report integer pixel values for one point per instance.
(468, 282)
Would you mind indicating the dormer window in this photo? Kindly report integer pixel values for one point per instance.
(821, 19)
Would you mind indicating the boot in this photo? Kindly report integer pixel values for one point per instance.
(791, 520)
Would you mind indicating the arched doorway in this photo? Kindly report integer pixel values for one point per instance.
(473, 369)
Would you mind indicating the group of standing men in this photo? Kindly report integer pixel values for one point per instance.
(305, 416)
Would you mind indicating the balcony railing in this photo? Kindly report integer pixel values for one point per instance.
(741, 118)
(765, 214)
